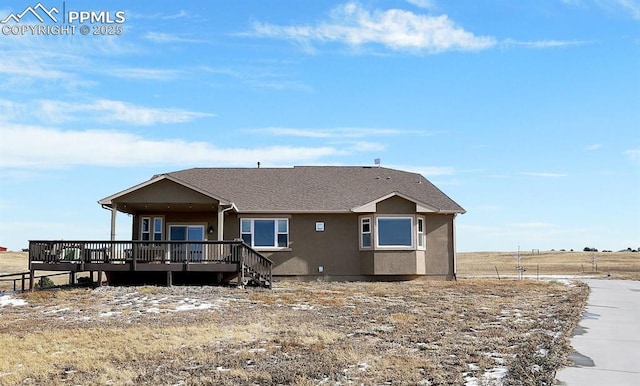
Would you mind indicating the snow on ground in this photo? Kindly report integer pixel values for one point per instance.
(8, 300)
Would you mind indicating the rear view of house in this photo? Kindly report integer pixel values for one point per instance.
(313, 221)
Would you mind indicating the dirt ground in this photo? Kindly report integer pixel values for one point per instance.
(473, 332)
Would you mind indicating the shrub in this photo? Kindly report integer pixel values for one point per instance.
(45, 282)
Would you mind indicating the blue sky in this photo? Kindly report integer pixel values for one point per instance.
(527, 113)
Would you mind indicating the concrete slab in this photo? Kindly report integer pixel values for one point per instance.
(607, 340)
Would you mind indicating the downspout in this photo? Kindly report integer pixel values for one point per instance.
(114, 211)
(455, 257)
(221, 219)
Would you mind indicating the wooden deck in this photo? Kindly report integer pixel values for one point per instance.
(139, 262)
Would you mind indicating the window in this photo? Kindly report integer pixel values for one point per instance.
(365, 232)
(265, 232)
(151, 227)
(394, 232)
(420, 231)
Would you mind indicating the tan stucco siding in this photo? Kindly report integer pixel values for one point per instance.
(335, 249)
(439, 253)
(397, 263)
(395, 205)
(165, 191)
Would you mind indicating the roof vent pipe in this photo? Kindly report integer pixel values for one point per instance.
(258, 164)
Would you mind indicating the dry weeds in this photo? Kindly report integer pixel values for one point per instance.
(420, 332)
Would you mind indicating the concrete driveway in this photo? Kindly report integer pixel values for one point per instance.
(607, 340)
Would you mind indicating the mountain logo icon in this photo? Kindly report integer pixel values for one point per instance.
(37, 11)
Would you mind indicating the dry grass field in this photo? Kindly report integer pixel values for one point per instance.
(476, 331)
(473, 331)
(617, 265)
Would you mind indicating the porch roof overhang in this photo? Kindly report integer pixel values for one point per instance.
(119, 201)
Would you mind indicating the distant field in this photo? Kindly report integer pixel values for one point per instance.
(13, 262)
(617, 265)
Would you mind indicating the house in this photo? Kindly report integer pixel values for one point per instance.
(309, 221)
(3, 249)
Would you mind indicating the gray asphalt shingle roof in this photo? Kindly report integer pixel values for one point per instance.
(313, 188)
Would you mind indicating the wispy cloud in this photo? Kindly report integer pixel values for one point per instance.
(144, 73)
(633, 154)
(543, 174)
(544, 43)
(355, 132)
(426, 4)
(32, 147)
(396, 29)
(162, 37)
(105, 110)
(630, 7)
(593, 147)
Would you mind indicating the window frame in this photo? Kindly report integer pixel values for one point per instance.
(152, 231)
(362, 232)
(411, 246)
(277, 233)
(421, 234)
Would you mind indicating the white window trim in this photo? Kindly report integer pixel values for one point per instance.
(421, 235)
(276, 233)
(361, 233)
(152, 230)
(411, 247)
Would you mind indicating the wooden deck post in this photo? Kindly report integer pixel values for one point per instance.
(99, 278)
(32, 274)
(169, 278)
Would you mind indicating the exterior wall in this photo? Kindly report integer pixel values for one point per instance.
(334, 251)
(395, 205)
(397, 263)
(440, 251)
(166, 191)
(183, 218)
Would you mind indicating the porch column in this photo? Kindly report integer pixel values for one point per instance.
(220, 223)
(453, 240)
(114, 212)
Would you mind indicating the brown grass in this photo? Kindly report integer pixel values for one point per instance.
(425, 332)
(617, 265)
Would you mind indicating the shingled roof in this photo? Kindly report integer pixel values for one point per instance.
(313, 188)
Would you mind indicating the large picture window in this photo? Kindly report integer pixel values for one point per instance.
(394, 232)
(265, 232)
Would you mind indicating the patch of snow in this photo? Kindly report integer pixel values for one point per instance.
(363, 366)
(57, 310)
(496, 373)
(153, 310)
(109, 313)
(8, 300)
(254, 350)
(189, 307)
(473, 366)
(303, 307)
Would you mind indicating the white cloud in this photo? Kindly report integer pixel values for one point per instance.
(347, 132)
(631, 6)
(426, 4)
(633, 154)
(144, 73)
(544, 43)
(32, 147)
(395, 29)
(543, 174)
(593, 147)
(115, 111)
(162, 37)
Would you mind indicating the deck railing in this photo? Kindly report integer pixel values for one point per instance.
(141, 252)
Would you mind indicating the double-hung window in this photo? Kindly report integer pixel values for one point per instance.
(265, 232)
(394, 232)
(421, 240)
(151, 228)
(365, 232)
